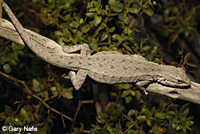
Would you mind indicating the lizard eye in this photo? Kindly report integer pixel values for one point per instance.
(179, 81)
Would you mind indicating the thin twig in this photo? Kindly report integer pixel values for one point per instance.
(77, 111)
(33, 95)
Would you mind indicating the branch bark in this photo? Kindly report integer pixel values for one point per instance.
(191, 94)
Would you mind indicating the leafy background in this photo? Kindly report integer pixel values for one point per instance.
(34, 93)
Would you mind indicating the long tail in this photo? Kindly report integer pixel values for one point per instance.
(20, 29)
(40, 45)
(17, 24)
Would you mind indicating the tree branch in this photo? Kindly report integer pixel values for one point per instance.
(191, 94)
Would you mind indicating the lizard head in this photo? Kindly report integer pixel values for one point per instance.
(173, 76)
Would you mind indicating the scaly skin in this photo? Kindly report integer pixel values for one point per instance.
(106, 67)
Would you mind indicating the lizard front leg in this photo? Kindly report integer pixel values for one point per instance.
(78, 79)
(84, 49)
(141, 85)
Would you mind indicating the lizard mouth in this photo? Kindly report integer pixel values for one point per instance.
(182, 85)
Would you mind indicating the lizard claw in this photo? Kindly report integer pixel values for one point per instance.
(65, 76)
(145, 92)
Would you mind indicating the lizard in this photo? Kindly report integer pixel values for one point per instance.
(108, 67)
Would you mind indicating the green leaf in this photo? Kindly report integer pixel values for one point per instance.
(125, 93)
(81, 21)
(126, 20)
(128, 99)
(124, 86)
(146, 48)
(141, 118)
(185, 106)
(112, 130)
(104, 48)
(146, 112)
(161, 115)
(131, 131)
(24, 114)
(104, 36)
(17, 47)
(112, 3)
(186, 33)
(186, 112)
(76, 130)
(156, 60)
(111, 29)
(169, 117)
(127, 47)
(175, 10)
(68, 33)
(67, 95)
(82, 127)
(85, 28)
(118, 7)
(3, 116)
(133, 10)
(8, 110)
(100, 120)
(148, 121)
(130, 32)
(9, 121)
(13, 62)
(117, 37)
(136, 45)
(7, 68)
(184, 129)
(153, 109)
(128, 92)
(58, 87)
(131, 112)
(92, 9)
(187, 57)
(97, 127)
(93, 45)
(113, 109)
(53, 89)
(66, 6)
(179, 127)
(166, 12)
(190, 64)
(150, 57)
(102, 26)
(172, 113)
(189, 123)
(148, 11)
(44, 129)
(97, 20)
(90, 15)
(74, 24)
(37, 87)
(18, 122)
(59, 33)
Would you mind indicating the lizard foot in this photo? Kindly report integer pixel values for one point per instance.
(145, 92)
(142, 88)
(141, 85)
(65, 76)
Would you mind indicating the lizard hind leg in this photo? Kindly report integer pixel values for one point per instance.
(77, 79)
(84, 49)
